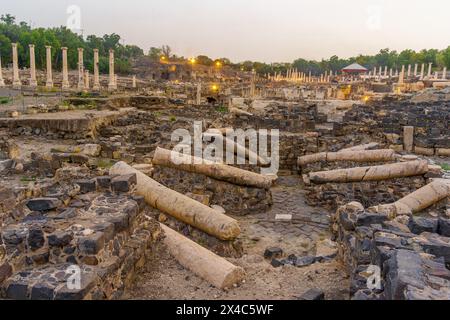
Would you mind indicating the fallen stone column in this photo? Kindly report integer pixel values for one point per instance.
(180, 206)
(238, 148)
(419, 200)
(367, 146)
(204, 263)
(163, 157)
(374, 173)
(355, 156)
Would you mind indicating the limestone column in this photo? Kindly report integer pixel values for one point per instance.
(391, 72)
(380, 71)
(96, 72)
(444, 74)
(65, 70)
(401, 78)
(408, 138)
(2, 81)
(33, 82)
(409, 71)
(86, 79)
(134, 81)
(49, 82)
(385, 71)
(16, 78)
(430, 66)
(112, 79)
(80, 69)
(422, 71)
(416, 67)
(198, 100)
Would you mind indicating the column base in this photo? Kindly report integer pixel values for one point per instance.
(33, 83)
(80, 86)
(112, 87)
(96, 87)
(66, 85)
(49, 84)
(17, 84)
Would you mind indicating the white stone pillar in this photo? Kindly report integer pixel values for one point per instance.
(380, 72)
(134, 81)
(430, 66)
(33, 81)
(444, 74)
(416, 68)
(17, 84)
(408, 138)
(112, 85)
(49, 82)
(385, 71)
(65, 70)
(96, 71)
(80, 69)
(401, 77)
(86, 79)
(422, 71)
(2, 81)
(198, 100)
(409, 70)
(391, 72)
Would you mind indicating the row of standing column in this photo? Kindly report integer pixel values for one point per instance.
(83, 75)
(410, 72)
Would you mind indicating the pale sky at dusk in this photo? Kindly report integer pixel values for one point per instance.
(262, 30)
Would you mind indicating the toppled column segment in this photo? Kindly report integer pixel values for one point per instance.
(374, 173)
(180, 206)
(356, 156)
(419, 200)
(164, 157)
(368, 146)
(209, 266)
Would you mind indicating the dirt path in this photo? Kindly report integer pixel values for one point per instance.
(166, 279)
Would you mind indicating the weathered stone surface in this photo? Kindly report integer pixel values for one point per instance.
(273, 252)
(444, 227)
(43, 204)
(92, 244)
(418, 225)
(123, 183)
(313, 295)
(86, 186)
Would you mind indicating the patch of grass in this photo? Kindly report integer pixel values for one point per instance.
(157, 114)
(173, 118)
(222, 109)
(105, 163)
(445, 166)
(4, 100)
(25, 179)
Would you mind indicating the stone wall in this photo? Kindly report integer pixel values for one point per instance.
(97, 225)
(411, 253)
(236, 200)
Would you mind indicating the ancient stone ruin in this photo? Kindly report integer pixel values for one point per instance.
(342, 191)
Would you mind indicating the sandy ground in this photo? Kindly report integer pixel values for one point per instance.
(166, 279)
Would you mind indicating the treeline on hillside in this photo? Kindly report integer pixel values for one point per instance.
(23, 34)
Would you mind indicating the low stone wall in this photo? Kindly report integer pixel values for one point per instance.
(97, 228)
(409, 255)
(236, 200)
(369, 193)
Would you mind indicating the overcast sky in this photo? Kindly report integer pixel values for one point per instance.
(263, 30)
